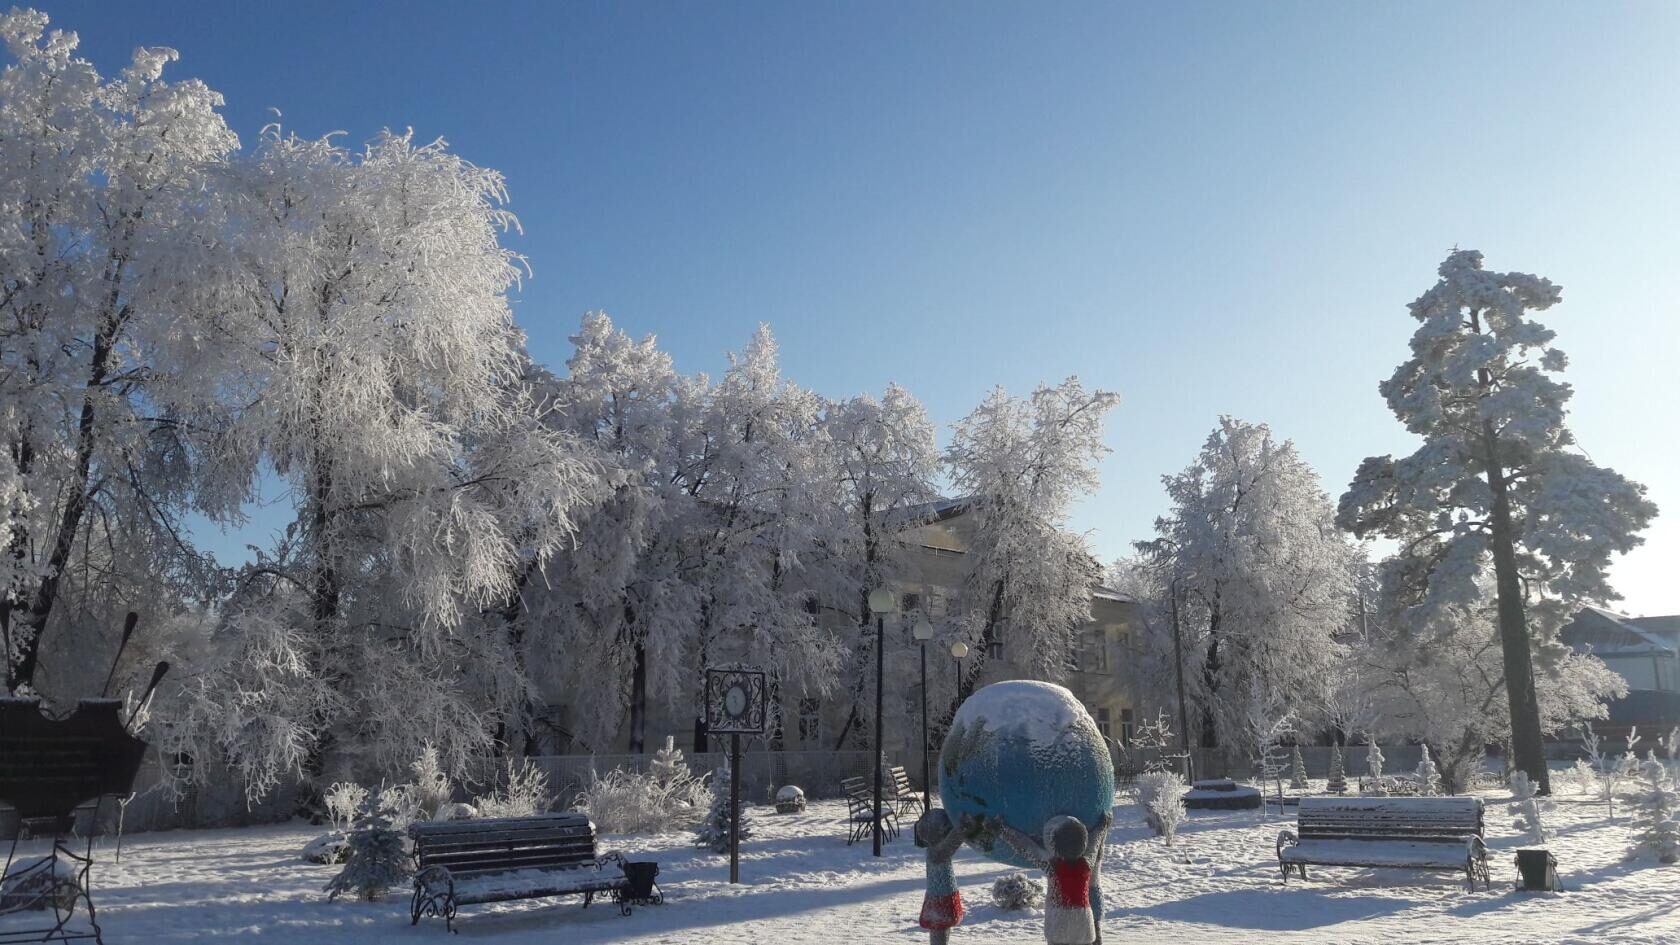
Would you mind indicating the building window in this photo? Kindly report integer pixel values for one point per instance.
(1103, 724)
(910, 603)
(1128, 726)
(994, 644)
(939, 603)
(1096, 655)
(810, 720)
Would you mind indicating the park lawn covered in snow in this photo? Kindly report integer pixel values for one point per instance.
(801, 883)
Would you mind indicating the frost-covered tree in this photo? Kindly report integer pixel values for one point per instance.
(713, 833)
(1435, 674)
(882, 460)
(1657, 828)
(378, 854)
(385, 384)
(1297, 769)
(1498, 481)
(1022, 462)
(1337, 781)
(1428, 776)
(108, 265)
(1260, 577)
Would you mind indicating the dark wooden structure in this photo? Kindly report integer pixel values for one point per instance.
(1421, 833)
(901, 793)
(49, 767)
(498, 859)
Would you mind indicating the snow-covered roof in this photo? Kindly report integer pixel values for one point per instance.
(1608, 633)
(922, 513)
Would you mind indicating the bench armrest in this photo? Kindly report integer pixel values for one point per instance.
(1285, 840)
(610, 858)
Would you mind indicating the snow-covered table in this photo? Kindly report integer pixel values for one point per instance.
(1424, 833)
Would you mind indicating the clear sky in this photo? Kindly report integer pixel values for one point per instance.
(1209, 208)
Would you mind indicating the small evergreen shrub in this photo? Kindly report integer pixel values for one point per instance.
(1017, 892)
(378, 855)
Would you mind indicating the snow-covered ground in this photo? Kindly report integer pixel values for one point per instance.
(801, 883)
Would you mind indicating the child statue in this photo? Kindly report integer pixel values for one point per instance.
(1067, 856)
(942, 908)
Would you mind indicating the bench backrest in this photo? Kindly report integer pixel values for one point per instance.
(494, 844)
(1390, 818)
(857, 787)
(900, 780)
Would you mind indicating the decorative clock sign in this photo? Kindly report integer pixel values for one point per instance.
(735, 701)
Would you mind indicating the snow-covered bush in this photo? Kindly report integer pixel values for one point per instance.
(1657, 828)
(1525, 808)
(631, 802)
(1428, 776)
(790, 799)
(1167, 807)
(401, 803)
(1017, 891)
(714, 830)
(34, 884)
(432, 786)
(343, 800)
(1160, 795)
(327, 849)
(524, 792)
(667, 797)
(1586, 779)
(455, 812)
(378, 858)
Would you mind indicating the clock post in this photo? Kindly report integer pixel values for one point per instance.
(735, 705)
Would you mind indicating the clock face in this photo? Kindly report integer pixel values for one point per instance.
(735, 701)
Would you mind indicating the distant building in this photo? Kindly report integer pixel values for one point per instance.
(1645, 651)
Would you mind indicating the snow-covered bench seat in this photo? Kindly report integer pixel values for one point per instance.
(496, 859)
(1422, 833)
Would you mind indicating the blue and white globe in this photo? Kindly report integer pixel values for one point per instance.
(1025, 751)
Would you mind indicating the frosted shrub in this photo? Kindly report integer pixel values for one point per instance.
(1016, 892)
(1525, 807)
(524, 792)
(432, 787)
(401, 804)
(343, 800)
(632, 802)
(1297, 770)
(1586, 779)
(1160, 795)
(1168, 809)
(378, 857)
(1657, 828)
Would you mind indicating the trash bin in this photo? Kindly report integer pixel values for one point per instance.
(1538, 868)
(643, 890)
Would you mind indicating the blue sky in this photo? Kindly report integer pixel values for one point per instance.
(1209, 208)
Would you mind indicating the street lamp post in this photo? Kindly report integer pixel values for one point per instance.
(959, 650)
(923, 632)
(881, 603)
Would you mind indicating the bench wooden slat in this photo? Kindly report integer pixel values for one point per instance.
(1380, 832)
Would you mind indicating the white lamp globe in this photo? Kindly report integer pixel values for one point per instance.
(881, 601)
(923, 630)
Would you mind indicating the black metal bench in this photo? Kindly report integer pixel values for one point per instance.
(901, 792)
(1422, 833)
(498, 859)
(860, 810)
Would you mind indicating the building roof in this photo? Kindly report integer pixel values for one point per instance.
(1607, 633)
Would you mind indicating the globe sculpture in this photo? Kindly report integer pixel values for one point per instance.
(1025, 751)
